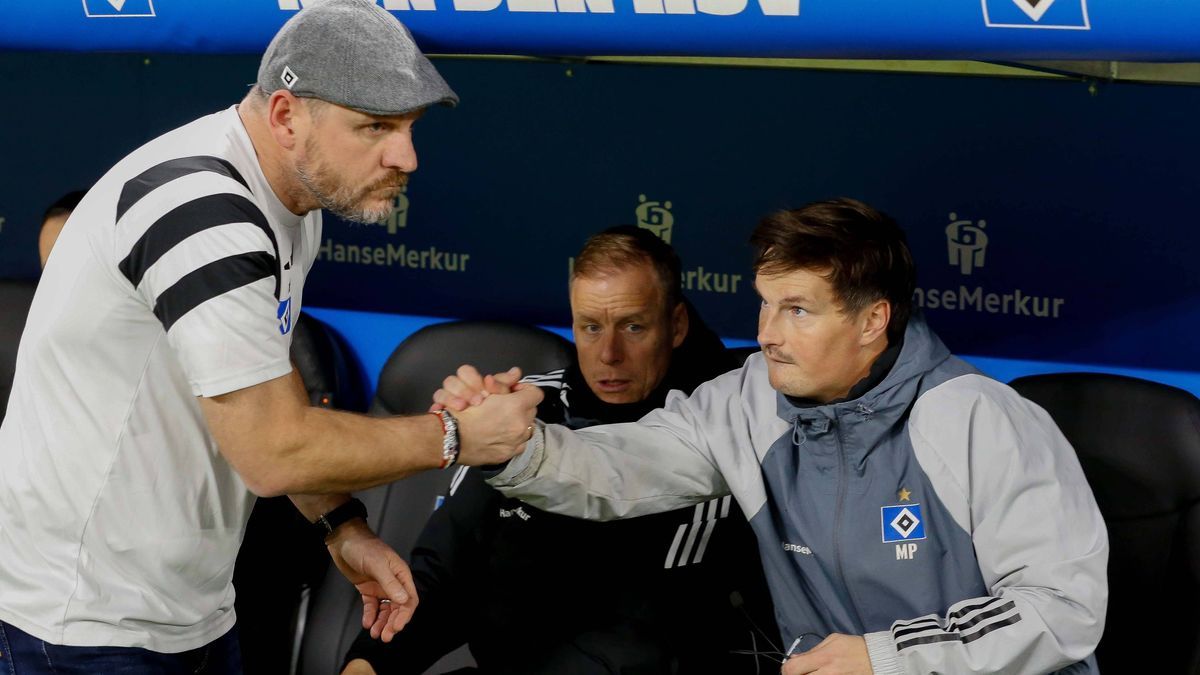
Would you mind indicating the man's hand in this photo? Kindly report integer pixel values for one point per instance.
(835, 655)
(384, 580)
(497, 429)
(488, 415)
(468, 388)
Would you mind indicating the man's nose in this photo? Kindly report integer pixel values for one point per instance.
(767, 334)
(612, 352)
(400, 153)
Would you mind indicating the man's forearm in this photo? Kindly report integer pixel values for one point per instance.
(281, 445)
(336, 452)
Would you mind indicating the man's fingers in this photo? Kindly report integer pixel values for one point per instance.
(799, 665)
(444, 399)
(398, 620)
(508, 379)
(381, 621)
(491, 386)
(386, 573)
(370, 610)
(529, 396)
(472, 394)
(470, 377)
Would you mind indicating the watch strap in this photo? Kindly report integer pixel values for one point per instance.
(330, 521)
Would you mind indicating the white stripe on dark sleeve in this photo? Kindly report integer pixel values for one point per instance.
(708, 530)
(675, 546)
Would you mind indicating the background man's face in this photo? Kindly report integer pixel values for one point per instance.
(49, 234)
(624, 334)
(812, 349)
(355, 164)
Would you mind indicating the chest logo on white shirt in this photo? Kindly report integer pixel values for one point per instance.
(284, 314)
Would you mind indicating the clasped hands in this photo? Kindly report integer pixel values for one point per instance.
(495, 413)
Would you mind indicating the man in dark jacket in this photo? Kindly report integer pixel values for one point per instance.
(676, 592)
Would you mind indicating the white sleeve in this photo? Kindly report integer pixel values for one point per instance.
(662, 462)
(1012, 481)
(208, 268)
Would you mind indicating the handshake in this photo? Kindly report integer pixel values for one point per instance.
(495, 413)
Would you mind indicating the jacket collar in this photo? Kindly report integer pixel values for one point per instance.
(882, 398)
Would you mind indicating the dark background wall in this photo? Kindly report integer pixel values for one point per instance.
(1084, 193)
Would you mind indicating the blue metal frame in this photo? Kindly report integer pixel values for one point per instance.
(1158, 30)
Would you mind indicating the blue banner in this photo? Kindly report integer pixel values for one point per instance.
(1049, 221)
(1151, 30)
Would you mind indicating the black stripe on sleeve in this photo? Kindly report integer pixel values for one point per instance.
(897, 634)
(956, 636)
(967, 639)
(954, 625)
(929, 639)
(978, 618)
(211, 280)
(963, 611)
(186, 220)
(160, 174)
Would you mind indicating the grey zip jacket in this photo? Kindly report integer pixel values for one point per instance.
(940, 515)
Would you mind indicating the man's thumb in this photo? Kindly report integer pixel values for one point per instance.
(392, 588)
(509, 377)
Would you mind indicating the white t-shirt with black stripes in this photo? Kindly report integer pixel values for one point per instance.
(179, 275)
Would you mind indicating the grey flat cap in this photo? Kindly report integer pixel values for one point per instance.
(355, 54)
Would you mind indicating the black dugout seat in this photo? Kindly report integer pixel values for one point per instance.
(743, 353)
(280, 559)
(15, 299)
(398, 511)
(1139, 444)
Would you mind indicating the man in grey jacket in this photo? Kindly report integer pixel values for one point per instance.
(913, 515)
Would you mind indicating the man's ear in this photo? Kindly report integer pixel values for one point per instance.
(875, 320)
(679, 323)
(283, 112)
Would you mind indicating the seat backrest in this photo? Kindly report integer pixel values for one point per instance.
(1139, 444)
(743, 353)
(398, 511)
(327, 367)
(15, 299)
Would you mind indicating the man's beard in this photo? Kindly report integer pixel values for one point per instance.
(345, 201)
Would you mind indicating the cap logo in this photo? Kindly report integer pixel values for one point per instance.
(289, 78)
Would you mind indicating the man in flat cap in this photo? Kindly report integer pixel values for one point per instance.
(154, 396)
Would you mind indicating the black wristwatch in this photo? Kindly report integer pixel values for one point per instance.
(327, 523)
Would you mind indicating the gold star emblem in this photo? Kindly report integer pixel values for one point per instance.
(905, 494)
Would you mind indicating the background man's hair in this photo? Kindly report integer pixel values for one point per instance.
(620, 247)
(862, 252)
(63, 205)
